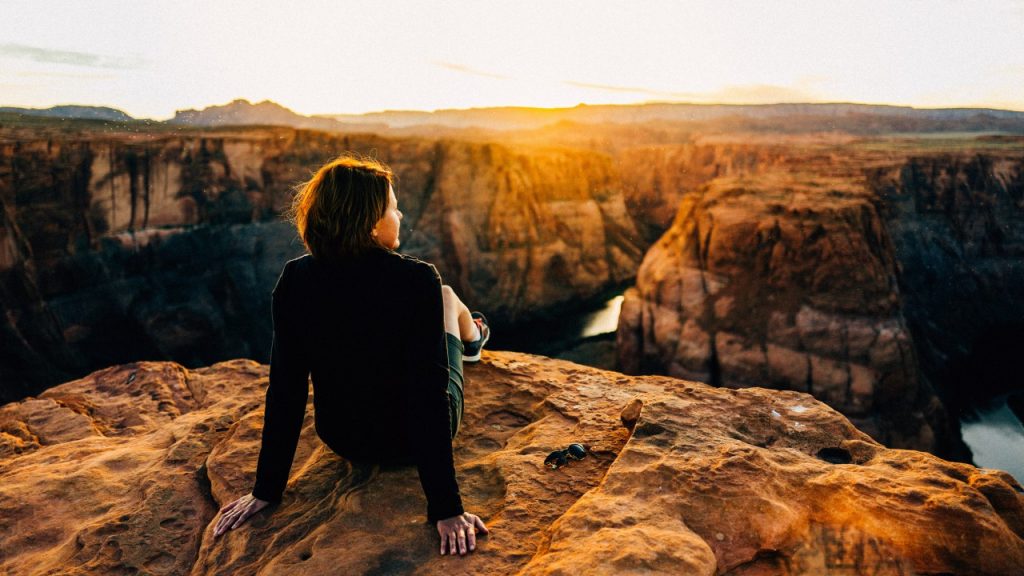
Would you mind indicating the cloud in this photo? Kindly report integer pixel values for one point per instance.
(76, 75)
(84, 59)
(468, 70)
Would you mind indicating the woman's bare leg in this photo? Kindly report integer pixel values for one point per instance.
(457, 320)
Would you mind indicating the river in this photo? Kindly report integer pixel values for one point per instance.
(996, 436)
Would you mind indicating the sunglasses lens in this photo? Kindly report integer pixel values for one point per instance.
(555, 459)
(576, 451)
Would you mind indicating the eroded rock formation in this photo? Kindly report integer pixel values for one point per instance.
(164, 245)
(657, 178)
(885, 284)
(788, 283)
(123, 471)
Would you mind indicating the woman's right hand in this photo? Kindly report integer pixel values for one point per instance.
(236, 513)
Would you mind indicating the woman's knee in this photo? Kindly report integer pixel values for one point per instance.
(449, 296)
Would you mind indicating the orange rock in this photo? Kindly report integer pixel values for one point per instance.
(787, 281)
(710, 481)
(525, 229)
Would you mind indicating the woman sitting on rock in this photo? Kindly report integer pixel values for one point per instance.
(384, 341)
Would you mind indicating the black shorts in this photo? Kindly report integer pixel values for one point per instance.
(455, 381)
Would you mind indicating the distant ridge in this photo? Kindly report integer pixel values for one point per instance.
(241, 112)
(73, 111)
(520, 118)
(845, 117)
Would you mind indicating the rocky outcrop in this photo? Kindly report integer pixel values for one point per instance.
(164, 245)
(789, 283)
(123, 472)
(884, 280)
(657, 178)
(522, 232)
(957, 225)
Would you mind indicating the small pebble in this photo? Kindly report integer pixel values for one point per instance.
(719, 536)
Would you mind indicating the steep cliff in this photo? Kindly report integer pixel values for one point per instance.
(165, 245)
(957, 224)
(883, 279)
(658, 177)
(519, 233)
(123, 472)
(789, 283)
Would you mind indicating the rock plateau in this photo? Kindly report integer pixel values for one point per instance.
(122, 472)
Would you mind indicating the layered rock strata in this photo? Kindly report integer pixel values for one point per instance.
(886, 283)
(656, 178)
(103, 260)
(163, 245)
(123, 471)
(92, 222)
(789, 282)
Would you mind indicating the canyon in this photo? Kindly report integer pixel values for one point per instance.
(809, 311)
(821, 273)
(125, 246)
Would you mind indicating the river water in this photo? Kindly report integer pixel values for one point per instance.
(604, 320)
(996, 436)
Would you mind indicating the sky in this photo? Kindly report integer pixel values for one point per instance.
(151, 58)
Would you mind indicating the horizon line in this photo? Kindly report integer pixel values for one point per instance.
(539, 108)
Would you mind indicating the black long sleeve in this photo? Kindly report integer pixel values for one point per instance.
(285, 400)
(427, 362)
(370, 332)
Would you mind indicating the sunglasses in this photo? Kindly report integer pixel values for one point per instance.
(560, 458)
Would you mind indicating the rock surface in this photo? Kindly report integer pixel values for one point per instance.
(957, 228)
(115, 247)
(885, 281)
(788, 283)
(122, 472)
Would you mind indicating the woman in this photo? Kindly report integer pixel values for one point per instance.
(383, 340)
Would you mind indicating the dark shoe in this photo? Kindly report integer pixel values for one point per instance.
(473, 349)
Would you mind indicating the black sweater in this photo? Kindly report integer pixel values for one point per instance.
(370, 330)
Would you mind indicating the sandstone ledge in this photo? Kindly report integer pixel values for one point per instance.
(123, 471)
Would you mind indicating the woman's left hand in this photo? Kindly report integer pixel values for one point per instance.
(236, 513)
(459, 533)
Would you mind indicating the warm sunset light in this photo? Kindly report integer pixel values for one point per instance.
(318, 57)
(561, 286)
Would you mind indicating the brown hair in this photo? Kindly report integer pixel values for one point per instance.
(337, 209)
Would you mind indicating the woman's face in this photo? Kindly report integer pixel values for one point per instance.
(386, 230)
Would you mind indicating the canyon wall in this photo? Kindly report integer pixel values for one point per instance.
(784, 283)
(166, 245)
(957, 225)
(656, 178)
(867, 279)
